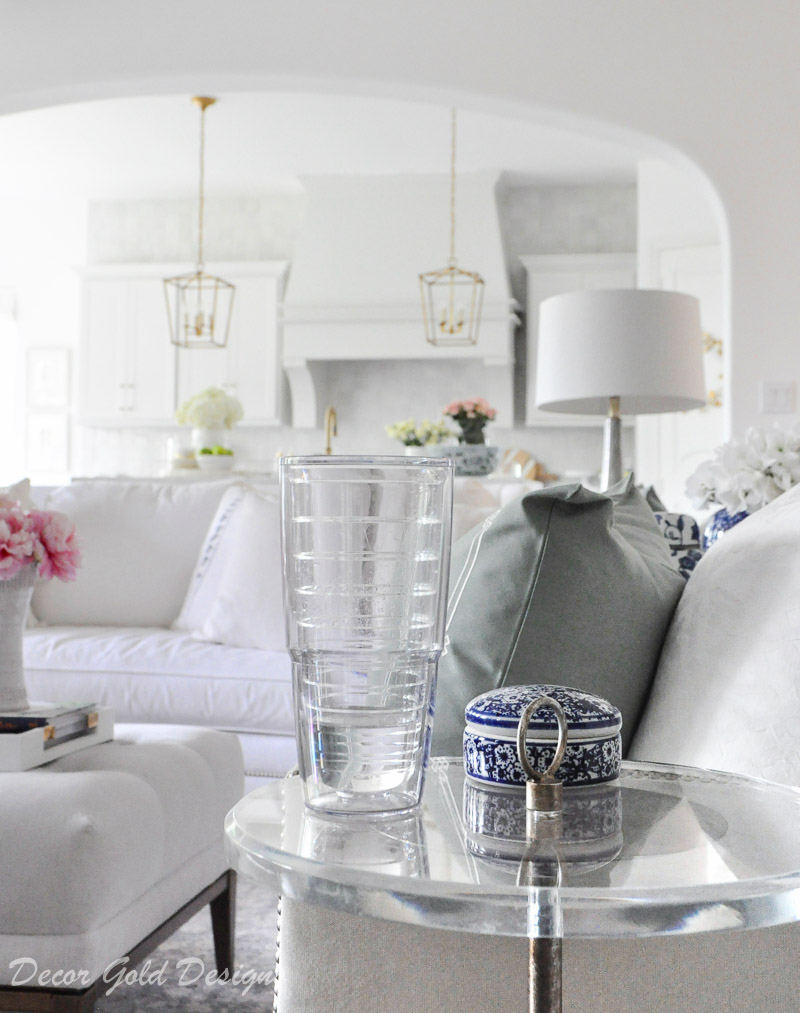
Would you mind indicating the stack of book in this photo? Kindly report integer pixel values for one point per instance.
(46, 731)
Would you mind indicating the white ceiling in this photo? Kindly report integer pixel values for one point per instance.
(148, 147)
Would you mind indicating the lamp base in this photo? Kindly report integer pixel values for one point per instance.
(612, 452)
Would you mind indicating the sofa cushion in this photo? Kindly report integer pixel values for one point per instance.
(727, 692)
(248, 607)
(235, 595)
(139, 541)
(20, 492)
(561, 586)
(210, 564)
(161, 676)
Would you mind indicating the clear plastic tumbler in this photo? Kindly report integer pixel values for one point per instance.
(366, 553)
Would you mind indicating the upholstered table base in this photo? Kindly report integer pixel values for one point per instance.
(345, 964)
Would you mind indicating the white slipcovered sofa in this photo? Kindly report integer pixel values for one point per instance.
(176, 616)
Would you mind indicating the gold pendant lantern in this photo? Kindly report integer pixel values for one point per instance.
(199, 305)
(452, 299)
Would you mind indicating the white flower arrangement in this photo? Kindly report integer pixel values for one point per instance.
(212, 408)
(425, 434)
(745, 475)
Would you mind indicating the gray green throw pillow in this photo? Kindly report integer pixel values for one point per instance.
(562, 585)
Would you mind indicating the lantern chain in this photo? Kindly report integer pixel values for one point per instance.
(201, 201)
(453, 186)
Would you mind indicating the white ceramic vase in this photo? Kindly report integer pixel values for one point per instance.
(15, 598)
(204, 437)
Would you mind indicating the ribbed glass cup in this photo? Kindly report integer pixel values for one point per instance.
(366, 554)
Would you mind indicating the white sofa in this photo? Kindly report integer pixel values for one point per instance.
(176, 616)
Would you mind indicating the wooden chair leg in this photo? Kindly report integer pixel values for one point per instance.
(75, 1004)
(223, 924)
(223, 917)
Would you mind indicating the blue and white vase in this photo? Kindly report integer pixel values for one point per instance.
(471, 459)
(721, 522)
(682, 533)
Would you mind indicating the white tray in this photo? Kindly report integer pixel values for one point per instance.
(25, 750)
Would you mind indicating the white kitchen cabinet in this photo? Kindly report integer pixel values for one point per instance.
(131, 374)
(249, 366)
(552, 275)
(102, 362)
(127, 364)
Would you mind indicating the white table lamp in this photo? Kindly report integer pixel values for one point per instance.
(636, 351)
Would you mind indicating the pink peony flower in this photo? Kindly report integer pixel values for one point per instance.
(481, 406)
(472, 408)
(59, 552)
(18, 541)
(472, 416)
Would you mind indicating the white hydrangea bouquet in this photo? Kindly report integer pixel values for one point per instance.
(744, 475)
(212, 408)
(426, 434)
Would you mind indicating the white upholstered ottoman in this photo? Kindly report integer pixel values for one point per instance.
(107, 851)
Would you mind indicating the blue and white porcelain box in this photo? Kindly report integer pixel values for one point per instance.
(594, 745)
(496, 823)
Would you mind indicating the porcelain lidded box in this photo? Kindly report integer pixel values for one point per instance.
(594, 745)
(496, 823)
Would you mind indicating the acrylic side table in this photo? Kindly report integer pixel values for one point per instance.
(662, 851)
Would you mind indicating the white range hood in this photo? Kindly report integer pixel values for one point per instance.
(353, 292)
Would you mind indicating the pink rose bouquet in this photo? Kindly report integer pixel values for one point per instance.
(471, 417)
(41, 537)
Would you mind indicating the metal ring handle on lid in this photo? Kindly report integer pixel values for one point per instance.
(541, 865)
(522, 735)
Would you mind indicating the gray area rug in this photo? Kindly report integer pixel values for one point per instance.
(172, 979)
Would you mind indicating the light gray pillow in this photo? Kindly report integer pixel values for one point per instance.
(563, 586)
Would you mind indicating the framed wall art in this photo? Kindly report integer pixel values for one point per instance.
(48, 378)
(47, 443)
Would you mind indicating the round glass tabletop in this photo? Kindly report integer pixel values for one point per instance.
(662, 850)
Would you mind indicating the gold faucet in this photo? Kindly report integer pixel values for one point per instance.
(330, 428)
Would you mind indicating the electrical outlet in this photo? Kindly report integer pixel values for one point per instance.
(777, 397)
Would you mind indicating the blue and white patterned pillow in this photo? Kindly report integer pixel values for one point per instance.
(682, 533)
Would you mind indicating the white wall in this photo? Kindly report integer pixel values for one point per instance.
(555, 219)
(675, 219)
(576, 218)
(366, 238)
(260, 226)
(713, 81)
(42, 247)
(672, 212)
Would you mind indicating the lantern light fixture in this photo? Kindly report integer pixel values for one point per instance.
(199, 305)
(452, 298)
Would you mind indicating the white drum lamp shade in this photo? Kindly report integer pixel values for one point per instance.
(643, 347)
